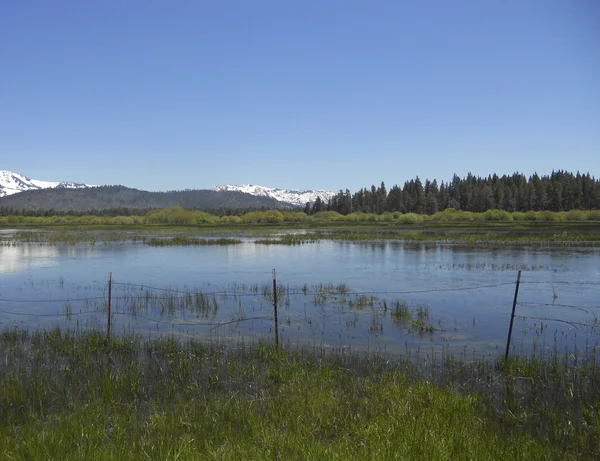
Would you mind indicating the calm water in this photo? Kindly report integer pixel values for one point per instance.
(467, 293)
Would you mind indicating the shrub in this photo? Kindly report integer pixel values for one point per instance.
(294, 216)
(123, 220)
(593, 215)
(327, 216)
(575, 215)
(410, 218)
(548, 216)
(230, 219)
(449, 214)
(356, 216)
(271, 216)
(201, 217)
(497, 215)
(467, 216)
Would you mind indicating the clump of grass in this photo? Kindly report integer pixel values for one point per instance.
(421, 323)
(183, 240)
(69, 395)
(290, 239)
(400, 311)
(166, 302)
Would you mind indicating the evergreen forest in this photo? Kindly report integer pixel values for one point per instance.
(560, 191)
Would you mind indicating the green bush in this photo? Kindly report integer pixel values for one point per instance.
(230, 219)
(410, 218)
(593, 215)
(327, 216)
(575, 215)
(548, 216)
(269, 216)
(467, 216)
(356, 216)
(449, 214)
(294, 216)
(272, 216)
(497, 215)
(201, 217)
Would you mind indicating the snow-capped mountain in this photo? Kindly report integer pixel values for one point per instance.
(12, 183)
(294, 197)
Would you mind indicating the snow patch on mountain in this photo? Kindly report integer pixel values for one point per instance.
(13, 183)
(293, 196)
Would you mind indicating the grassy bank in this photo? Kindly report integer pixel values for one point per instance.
(75, 396)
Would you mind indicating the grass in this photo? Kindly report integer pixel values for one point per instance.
(416, 319)
(183, 240)
(67, 395)
(564, 233)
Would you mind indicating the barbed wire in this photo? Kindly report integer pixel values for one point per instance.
(548, 319)
(64, 314)
(234, 293)
(66, 300)
(265, 292)
(566, 306)
(213, 324)
(558, 282)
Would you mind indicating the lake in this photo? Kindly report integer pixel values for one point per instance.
(394, 298)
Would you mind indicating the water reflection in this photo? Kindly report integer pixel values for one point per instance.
(24, 257)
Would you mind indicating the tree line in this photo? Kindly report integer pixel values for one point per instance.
(560, 191)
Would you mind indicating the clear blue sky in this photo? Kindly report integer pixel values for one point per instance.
(297, 94)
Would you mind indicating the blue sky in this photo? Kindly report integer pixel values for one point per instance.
(163, 95)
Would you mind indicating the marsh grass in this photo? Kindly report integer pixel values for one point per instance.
(73, 395)
(291, 239)
(172, 303)
(524, 232)
(413, 319)
(184, 240)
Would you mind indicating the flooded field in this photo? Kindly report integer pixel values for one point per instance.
(396, 298)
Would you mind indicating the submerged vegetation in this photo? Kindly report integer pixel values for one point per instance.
(74, 395)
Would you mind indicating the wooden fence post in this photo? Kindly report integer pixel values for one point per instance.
(108, 305)
(275, 308)
(512, 316)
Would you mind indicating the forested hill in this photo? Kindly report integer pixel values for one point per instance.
(112, 197)
(560, 191)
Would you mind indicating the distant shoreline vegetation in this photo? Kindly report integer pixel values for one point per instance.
(177, 216)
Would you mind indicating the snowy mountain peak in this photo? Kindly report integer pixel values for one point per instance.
(293, 197)
(13, 183)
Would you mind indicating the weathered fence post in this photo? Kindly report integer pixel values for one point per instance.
(275, 308)
(512, 316)
(108, 305)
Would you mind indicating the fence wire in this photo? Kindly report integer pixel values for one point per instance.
(264, 291)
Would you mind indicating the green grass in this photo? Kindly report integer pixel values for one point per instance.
(183, 240)
(572, 233)
(74, 396)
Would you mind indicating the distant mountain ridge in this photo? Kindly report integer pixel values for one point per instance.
(18, 192)
(13, 183)
(291, 196)
(120, 197)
